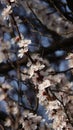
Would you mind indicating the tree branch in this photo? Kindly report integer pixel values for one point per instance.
(5, 67)
(66, 45)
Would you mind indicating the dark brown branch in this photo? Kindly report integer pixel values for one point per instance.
(58, 72)
(62, 103)
(67, 115)
(66, 45)
(61, 9)
(5, 67)
(14, 21)
(45, 30)
(59, 42)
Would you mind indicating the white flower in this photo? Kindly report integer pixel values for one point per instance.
(6, 12)
(2, 95)
(12, 0)
(53, 105)
(44, 84)
(23, 44)
(6, 85)
(21, 53)
(8, 122)
(35, 67)
(59, 120)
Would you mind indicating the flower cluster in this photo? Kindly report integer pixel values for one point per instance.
(23, 46)
(33, 96)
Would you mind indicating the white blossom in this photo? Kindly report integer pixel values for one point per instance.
(8, 122)
(23, 44)
(6, 12)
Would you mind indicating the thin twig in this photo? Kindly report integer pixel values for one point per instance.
(64, 107)
(6, 67)
(58, 72)
(14, 21)
(51, 32)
